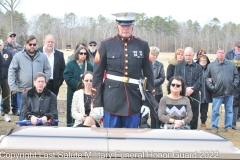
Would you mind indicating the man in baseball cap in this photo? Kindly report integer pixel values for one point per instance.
(13, 47)
(92, 46)
(11, 34)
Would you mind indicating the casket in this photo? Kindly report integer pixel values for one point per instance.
(38, 142)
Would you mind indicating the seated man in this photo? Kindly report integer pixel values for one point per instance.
(39, 103)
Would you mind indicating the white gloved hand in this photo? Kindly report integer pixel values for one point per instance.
(144, 110)
(97, 112)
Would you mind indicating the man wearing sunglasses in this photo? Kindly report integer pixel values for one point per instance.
(125, 58)
(25, 64)
(13, 47)
(11, 43)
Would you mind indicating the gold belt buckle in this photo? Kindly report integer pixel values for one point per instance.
(125, 79)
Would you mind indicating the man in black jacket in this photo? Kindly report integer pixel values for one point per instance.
(192, 74)
(6, 57)
(222, 78)
(57, 64)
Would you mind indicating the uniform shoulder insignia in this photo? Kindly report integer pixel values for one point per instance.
(110, 38)
(135, 37)
(97, 57)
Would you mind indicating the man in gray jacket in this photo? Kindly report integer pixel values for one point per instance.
(222, 78)
(24, 66)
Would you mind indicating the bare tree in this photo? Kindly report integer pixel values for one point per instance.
(10, 5)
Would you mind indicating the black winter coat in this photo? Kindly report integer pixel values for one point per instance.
(206, 94)
(159, 77)
(171, 68)
(191, 74)
(6, 59)
(46, 105)
(224, 76)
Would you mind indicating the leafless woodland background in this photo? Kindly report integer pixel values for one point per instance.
(163, 32)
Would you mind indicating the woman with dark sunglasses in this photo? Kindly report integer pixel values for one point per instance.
(71, 75)
(82, 108)
(175, 109)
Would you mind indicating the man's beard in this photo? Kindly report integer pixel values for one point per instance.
(13, 43)
(92, 50)
(50, 49)
(31, 51)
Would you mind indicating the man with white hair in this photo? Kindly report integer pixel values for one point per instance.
(56, 61)
(191, 73)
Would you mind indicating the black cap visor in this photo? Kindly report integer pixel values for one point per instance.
(125, 23)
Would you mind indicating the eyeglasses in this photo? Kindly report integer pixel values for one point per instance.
(177, 85)
(81, 53)
(32, 44)
(12, 36)
(88, 80)
(92, 45)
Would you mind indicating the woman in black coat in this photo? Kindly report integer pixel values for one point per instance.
(159, 77)
(206, 95)
(178, 57)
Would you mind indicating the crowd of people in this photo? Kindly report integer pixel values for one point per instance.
(111, 85)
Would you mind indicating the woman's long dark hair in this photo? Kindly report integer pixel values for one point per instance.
(78, 51)
(178, 78)
(81, 84)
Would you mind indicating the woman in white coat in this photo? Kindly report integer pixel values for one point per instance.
(82, 109)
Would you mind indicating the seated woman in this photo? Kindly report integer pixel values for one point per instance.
(82, 109)
(39, 103)
(175, 109)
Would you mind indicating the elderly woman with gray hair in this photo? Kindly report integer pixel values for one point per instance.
(39, 103)
(159, 77)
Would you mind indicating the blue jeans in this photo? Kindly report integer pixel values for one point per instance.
(19, 101)
(228, 105)
(14, 103)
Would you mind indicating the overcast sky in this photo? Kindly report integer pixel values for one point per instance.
(181, 10)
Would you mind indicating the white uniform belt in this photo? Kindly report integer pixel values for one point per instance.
(123, 79)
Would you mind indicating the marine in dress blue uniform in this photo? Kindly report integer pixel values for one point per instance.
(125, 58)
